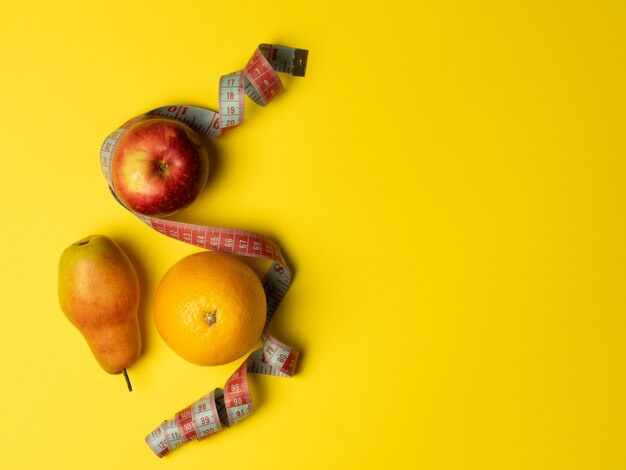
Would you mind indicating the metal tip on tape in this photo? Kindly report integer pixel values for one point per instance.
(299, 62)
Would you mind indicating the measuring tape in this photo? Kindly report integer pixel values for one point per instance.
(225, 407)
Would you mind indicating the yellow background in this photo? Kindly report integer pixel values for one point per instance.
(447, 182)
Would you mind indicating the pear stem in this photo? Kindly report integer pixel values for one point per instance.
(130, 387)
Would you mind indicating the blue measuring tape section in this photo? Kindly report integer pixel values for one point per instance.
(224, 407)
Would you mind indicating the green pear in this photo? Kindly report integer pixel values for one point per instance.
(99, 294)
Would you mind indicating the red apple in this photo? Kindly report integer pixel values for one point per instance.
(160, 166)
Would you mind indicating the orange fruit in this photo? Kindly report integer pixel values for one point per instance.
(210, 308)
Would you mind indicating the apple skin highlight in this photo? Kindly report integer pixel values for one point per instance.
(160, 167)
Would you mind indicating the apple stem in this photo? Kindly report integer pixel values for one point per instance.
(130, 387)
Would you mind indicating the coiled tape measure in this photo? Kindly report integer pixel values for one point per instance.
(225, 407)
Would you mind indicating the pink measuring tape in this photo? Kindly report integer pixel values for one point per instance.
(225, 407)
